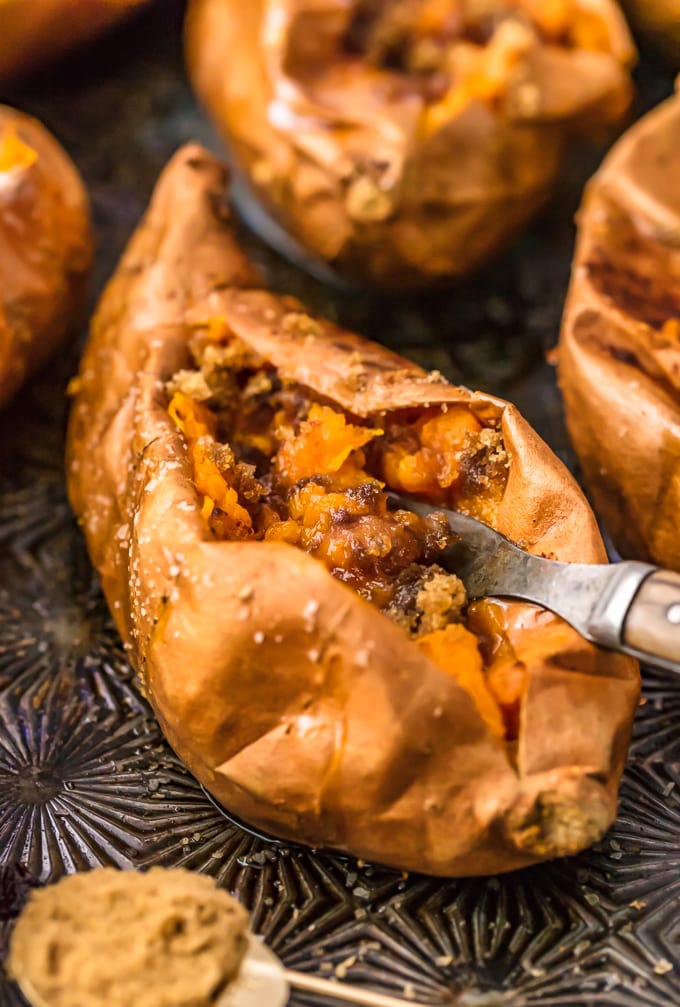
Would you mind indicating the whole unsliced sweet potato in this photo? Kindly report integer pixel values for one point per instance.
(35, 31)
(45, 246)
(619, 355)
(406, 140)
(304, 652)
(660, 19)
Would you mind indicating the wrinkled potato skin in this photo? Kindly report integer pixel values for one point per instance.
(32, 32)
(45, 252)
(454, 198)
(297, 703)
(619, 372)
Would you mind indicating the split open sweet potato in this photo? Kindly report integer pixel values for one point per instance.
(619, 355)
(306, 653)
(45, 246)
(33, 32)
(406, 140)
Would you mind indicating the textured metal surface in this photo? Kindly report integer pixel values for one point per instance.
(85, 777)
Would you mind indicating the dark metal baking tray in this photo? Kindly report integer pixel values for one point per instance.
(85, 776)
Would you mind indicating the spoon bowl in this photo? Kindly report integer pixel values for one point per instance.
(261, 980)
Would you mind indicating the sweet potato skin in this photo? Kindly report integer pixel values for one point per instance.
(339, 157)
(299, 705)
(45, 249)
(34, 32)
(619, 352)
(660, 19)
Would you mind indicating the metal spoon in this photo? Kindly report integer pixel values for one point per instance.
(627, 606)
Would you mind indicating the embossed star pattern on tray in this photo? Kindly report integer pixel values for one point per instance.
(85, 777)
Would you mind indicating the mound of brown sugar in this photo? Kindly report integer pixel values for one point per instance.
(108, 938)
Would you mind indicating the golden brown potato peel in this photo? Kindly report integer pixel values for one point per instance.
(298, 704)
(45, 247)
(619, 355)
(337, 153)
(661, 20)
(35, 31)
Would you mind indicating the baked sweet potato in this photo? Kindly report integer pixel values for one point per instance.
(619, 353)
(45, 246)
(660, 19)
(406, 140)
(304, 651)
(34, 31)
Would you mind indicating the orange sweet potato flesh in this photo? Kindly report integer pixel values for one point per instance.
(619, 353)
(332, 507)
(32, 32)
(45, 247)
(404, 141)
(295, 700)
(456, 651)
(197, 424)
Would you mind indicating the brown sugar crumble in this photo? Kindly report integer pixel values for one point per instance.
(109, 938)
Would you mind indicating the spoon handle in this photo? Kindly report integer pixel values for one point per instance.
(652, 623)
(638, 613)
(344, 991)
